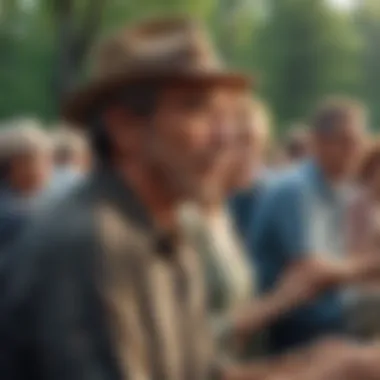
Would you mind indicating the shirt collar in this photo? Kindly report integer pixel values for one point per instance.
(117, 192)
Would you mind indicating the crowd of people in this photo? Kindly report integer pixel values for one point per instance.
(37, 166)
(161, 233)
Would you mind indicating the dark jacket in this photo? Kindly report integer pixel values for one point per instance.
(63, 314)
(15, 215)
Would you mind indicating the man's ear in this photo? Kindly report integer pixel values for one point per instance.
(124, 129)
(114, 118)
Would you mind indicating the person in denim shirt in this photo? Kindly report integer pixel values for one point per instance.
(301, 223)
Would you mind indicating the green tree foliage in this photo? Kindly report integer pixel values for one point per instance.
(77, 24)
(308, 50)
(26, 61)
(299, 50)
(369, 24)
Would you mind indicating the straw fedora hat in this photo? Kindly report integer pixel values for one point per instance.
(158, 51)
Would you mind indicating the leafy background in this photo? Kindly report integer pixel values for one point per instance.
(299, 50)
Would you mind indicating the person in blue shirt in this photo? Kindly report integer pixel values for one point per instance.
(300, 223)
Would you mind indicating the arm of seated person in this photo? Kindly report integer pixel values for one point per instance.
(306, 273)
(304, 276)
(356, 269)
(286, 286)
(300, 283)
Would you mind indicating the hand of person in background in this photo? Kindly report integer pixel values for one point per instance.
(306, 279)
(354, 269)
(362, 267)
(302, 281)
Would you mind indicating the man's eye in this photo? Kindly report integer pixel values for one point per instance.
(194, 103)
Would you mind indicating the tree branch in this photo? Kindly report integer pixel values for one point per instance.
(88, 28)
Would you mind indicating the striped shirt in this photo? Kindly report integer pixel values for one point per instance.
(140, 315)
(156, 296)
(228, 275)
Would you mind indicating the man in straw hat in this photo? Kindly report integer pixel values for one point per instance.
(104, 286)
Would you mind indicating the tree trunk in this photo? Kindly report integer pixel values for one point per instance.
(75, 36)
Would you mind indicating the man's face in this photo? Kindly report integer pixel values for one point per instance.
(338, 150)
(191, 132)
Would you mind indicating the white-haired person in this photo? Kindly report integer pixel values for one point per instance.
(25, 162)
(71, 161)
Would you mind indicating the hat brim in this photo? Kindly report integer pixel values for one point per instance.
(82, 104)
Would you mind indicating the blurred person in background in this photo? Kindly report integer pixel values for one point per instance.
(364, 227)
(105, 286)
(236, 312)
(251, 174)
(297, 144)
(277, 158)
(302, 223)
(238, 315)
(71, 151)
(71, 157)
(363, 236)
(25, 172)
(211, 231)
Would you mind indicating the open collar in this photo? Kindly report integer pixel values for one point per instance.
(113, 189)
